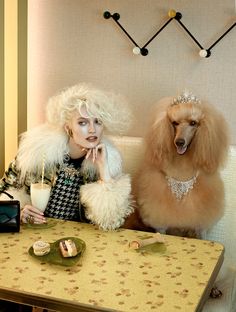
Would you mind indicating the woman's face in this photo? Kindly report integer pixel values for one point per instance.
(86, 131)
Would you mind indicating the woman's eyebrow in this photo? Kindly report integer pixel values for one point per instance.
(82, 118)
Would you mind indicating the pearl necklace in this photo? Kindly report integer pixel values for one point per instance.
(181, 188)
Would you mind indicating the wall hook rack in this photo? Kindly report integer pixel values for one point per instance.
(173, 15)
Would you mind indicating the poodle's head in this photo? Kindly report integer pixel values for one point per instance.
(189, 129)
(184, 120)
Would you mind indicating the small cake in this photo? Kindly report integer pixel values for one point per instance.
(41, 248)
(68, 248)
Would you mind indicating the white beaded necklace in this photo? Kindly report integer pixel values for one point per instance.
(181, 188)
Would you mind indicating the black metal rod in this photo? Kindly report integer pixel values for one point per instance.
(157, 32)
(221, 37)
(126, 33)
(200, 46)
(116, 16)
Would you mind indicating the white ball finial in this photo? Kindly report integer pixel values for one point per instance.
(203, 53)
(136, 50)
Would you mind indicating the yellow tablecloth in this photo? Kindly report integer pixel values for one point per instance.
(109, 274)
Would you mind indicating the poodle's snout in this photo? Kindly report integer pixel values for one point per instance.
(180, 142)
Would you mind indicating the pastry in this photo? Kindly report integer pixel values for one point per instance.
(68, 248)
(41, 248)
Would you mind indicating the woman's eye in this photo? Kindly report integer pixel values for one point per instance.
(175, 123)
(82, 123)
(98, 122)
(193, 123)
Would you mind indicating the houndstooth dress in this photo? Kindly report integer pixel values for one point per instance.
(64, 201)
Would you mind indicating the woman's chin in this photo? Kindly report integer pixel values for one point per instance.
(90, 145)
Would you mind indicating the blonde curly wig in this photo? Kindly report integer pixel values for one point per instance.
(110, 108)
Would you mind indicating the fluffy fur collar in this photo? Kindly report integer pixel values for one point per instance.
(52, 144)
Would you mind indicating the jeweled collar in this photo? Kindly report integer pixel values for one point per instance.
(181, 188)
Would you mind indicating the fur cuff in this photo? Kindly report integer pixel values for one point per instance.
(107, 204)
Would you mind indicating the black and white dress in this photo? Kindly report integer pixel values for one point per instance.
(64, 202)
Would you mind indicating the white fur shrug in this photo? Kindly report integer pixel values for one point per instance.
(107, 204)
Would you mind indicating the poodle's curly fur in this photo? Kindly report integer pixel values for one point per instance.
(184, 140)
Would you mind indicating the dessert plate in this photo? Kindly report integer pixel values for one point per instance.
(153, 248)
(156, 247)
(55, 257)
(50, 223)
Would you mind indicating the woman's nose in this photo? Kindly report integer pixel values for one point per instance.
(91, 127)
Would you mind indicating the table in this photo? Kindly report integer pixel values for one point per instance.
(109, 276)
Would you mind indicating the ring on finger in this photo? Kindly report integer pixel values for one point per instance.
(30, 219)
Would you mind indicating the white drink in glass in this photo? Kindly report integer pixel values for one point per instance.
(39, 193)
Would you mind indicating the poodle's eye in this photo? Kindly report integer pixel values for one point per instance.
(175, 123)
(193, 123)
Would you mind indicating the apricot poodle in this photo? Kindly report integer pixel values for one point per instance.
(178, 189)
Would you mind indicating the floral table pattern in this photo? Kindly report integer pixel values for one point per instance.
(110, 275)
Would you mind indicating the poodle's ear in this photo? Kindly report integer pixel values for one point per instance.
(159, 139)
(211, 141)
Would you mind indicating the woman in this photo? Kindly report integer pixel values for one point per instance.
(82, 167)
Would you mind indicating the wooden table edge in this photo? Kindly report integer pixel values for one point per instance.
(47, 302)
(211, 281)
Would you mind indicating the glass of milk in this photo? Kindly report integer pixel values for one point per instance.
(39, 193)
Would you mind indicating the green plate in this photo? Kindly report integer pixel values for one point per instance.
(50, 223)
(55, 257)
(153, 248)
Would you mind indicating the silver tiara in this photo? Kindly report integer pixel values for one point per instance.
(186, 97)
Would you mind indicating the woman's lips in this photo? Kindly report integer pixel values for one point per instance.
(92, 138)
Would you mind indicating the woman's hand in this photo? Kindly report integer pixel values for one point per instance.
(98, 155)
(30, 214)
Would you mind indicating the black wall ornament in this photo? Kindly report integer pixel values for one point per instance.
(173, 15)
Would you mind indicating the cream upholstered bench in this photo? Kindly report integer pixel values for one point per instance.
(132, 151)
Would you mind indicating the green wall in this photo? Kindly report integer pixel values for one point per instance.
(1, 87)
(22, 74)
(22, 66)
